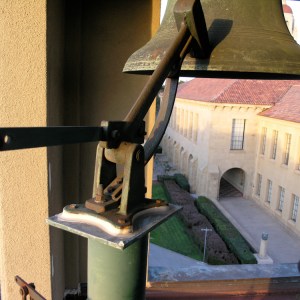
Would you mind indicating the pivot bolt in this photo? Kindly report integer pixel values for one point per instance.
(122, 221)
(74, 206)
(7, 139)
(99, 193)
(115, 134)
(138, 155)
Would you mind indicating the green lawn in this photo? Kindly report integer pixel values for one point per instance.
(171, 234)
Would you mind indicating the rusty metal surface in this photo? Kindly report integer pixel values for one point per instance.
(162, 119)
(143, 224)
(28, 289)
(249, 39)
(170, 62)
(257, 288)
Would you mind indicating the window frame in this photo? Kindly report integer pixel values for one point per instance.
(237, 134)
(295, 208)
(263, 141)
(269, 191)
(274, 144)
(287, 148)
(281, 198)
(258, 184)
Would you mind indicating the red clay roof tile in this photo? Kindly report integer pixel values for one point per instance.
(282, 95)
(233, 91)
(288, 108)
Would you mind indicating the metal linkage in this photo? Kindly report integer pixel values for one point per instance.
(28, 289)
(112, 132)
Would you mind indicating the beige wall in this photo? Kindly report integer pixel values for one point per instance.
(210, 151)
(286, 176)
(61, 64)
(24, 241)
(203, 130)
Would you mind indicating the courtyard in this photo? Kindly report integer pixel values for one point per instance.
(251, 220)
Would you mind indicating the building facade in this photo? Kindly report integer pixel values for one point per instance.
(244, 131)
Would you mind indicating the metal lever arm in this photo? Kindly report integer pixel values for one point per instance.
(32, 137)
(170, 64)
(113, 132)
(162, 119)
(28, 289)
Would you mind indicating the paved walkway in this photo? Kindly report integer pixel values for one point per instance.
(252, 221)
(164, 258)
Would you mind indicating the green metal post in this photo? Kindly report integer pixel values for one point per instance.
(115, 274)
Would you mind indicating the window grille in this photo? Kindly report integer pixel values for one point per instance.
(281, 198)
(258, 186)
(286, 154)
(237, 134)
(274, 144)
(263, 140)
(295, 208)
(269, 192)
(298, 161)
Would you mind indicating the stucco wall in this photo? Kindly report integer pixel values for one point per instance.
(24, 235)
(286, 176)
(211, 147)
(61, 64)
(215, 159)
(236, 177)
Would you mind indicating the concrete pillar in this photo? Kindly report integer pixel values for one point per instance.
(263, 246)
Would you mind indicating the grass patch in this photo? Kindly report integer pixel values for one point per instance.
(171, 234)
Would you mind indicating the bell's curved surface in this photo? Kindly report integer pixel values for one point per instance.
(248, 38)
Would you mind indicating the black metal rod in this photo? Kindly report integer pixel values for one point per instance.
(162, 119)
(32, 137)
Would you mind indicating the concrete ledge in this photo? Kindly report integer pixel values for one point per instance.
(265, 260)
(230, 272)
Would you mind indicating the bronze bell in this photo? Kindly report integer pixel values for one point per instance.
(247, 39)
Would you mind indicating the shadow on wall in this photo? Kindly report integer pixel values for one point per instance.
(232, 183)
(88, 43)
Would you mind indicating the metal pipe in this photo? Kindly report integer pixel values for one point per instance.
(205, 238)
(115, 274)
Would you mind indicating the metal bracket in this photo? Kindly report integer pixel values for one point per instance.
(124, 196)
(28, 289)
(119, 199)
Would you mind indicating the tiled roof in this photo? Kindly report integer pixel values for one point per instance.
(256, 92)
(287, 9)
(288, 108)
(244, 91)
(203, 89)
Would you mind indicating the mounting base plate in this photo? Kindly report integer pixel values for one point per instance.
(88, 226)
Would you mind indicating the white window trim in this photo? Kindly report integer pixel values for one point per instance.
(295, 208)
(237, 134)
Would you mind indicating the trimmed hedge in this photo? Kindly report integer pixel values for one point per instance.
(180, 179)
(162, 178)
(231, 236)
(172, 234)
